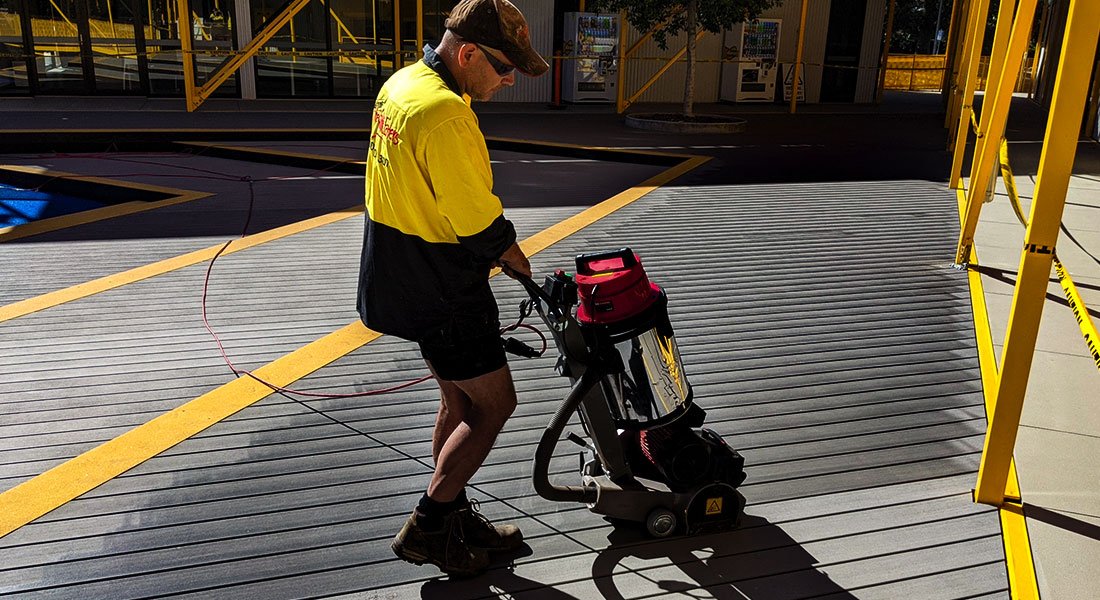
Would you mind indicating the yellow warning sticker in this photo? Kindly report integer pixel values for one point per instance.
(714, 506)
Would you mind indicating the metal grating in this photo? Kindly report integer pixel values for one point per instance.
(822, 329)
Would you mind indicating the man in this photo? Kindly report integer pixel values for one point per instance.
(434, 230)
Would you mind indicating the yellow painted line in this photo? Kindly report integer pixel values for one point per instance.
(189, 130)
(36, 497)
(1023, 585)
(83, 290)
(15, 232)
(599, 148)
(42, 494)
(270, 152)
(556, 233)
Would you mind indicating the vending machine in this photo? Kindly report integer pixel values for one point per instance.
(591, 57)
(750, 67)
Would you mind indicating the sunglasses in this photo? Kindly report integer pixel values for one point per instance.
(502, 69)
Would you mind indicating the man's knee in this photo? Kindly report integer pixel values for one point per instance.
(493, 394)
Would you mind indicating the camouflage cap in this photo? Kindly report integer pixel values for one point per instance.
(497, 24)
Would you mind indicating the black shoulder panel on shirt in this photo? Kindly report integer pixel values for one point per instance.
(490, 243)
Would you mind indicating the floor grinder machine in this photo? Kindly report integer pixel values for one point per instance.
(649, 460)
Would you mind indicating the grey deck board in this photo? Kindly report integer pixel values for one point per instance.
(822, 330)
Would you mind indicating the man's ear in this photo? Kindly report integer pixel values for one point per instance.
(465, 54)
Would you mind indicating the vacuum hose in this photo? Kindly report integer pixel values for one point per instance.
(540, 473)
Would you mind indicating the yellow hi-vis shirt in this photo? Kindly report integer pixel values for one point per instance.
(434, 226)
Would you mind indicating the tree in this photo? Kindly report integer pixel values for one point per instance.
(672, 17)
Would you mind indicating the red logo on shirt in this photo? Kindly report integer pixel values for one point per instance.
(384, 130)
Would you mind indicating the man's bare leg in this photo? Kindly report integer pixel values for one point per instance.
(491, 400)
(453, 405)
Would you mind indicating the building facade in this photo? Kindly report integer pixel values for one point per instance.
(346, 48)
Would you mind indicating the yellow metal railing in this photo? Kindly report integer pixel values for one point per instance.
(917, 72)
(1005, 382)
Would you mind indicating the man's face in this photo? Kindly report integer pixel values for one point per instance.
(490, 71)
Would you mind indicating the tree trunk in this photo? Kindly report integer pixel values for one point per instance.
(689, 79)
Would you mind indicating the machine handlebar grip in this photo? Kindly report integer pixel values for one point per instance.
(585, 261)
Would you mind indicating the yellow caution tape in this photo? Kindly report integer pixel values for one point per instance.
(1076, 303)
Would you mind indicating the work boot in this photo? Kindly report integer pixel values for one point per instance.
(480, 533)
(445, 548)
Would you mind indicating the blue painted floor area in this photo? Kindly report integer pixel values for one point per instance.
(19, 206)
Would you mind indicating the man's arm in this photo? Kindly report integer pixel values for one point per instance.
(514, 262)
(458, 166)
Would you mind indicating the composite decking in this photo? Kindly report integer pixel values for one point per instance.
(822, 328)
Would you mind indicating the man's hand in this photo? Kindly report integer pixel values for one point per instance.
(514, 261)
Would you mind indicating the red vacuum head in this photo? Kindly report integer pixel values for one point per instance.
(612, 286)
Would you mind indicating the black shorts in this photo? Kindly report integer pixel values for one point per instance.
(467, 347)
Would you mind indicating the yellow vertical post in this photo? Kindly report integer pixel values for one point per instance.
(972, 55)
(419, 25)
(620, 98)
(995, 110)
(1094, 101)
(1052, 182)
(885, 57)
(975, 11)
(187, 47)
(955, 6)
(953, 62)
(1040, 47)
(798, 54)
(398, 59)
(1004, 27)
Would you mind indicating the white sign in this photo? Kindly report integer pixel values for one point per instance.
(788, 77)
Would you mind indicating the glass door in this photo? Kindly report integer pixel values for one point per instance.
(112, 47)
(86, 46)
(57, 46)
(212, 36)
(14, 76)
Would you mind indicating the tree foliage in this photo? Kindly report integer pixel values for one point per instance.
(915, 23)
(672, 18)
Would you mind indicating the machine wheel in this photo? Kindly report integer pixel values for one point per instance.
(661, 523)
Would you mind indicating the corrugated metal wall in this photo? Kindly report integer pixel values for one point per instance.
(871, 53)
(540, 17)
(670, 87)
(649, 59)
(813, 44)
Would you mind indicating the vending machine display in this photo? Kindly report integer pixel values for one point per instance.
(751, 61)
(591, 65)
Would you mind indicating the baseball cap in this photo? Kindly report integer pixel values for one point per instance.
(497, 24)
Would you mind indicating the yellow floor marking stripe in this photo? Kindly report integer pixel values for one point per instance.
(599, 148)
(1017, 545)
(83, 290)
(15, 232)
(25, 307)
(42, 494)
(179, 130)
(1022, 583)
(261, 151)
(32, 499)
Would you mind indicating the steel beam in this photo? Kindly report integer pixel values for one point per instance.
(668, 65)
(971, 57)
(1052, 182)
(195, 97)
(995, 109)
(798, 53)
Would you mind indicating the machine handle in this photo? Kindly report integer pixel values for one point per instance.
(587, 264)
(534, 290)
